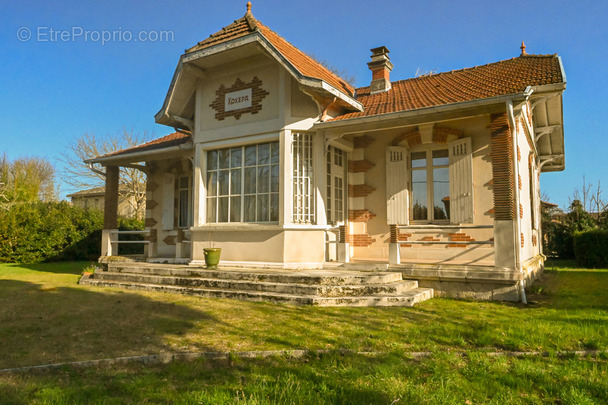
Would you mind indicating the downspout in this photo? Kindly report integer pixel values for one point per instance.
(94, 170)
(518, 265)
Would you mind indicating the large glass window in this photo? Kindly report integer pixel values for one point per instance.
(430, 184)
(243, 184)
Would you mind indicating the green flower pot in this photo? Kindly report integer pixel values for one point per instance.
(212, 257)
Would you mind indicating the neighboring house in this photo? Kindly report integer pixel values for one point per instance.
(283, 164)
(94, 198)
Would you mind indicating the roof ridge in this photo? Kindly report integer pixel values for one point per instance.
(447, 72)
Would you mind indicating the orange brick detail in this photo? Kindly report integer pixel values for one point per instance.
(404, 237)
(359, 166)
(460, 237)
(360, 240)
(360, 215)
(522, 240)
(534, 240)
(440, 134)
(412, 137)
(360, 190)
(363, 141)
(518, 154)
(519, 183)
(502, 167)
(521, 211)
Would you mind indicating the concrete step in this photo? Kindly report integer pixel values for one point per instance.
(318, 277)
(323, 290)
(405, 299)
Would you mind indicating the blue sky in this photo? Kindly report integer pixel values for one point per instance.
(53, 91)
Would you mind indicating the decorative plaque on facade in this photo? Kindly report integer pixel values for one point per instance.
(238, 99)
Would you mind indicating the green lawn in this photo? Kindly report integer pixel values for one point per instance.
(45, 317)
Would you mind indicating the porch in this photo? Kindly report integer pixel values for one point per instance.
(322, 287)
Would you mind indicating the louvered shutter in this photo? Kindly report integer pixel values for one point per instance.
(397, 179)
(168, 201)
(461, 181)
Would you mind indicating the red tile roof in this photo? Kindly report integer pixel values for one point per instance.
(174, 139)
(305, 64)
(494, 79)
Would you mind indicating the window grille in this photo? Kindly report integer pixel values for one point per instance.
(303, 179)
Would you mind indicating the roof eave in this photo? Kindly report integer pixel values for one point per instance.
(423, 111)
(164, 117)
(139, 156)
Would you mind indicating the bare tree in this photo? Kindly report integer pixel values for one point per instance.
(590, 197)
(80, 175)
(598, 204)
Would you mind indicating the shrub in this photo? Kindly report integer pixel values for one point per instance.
(52, 231)
(591, 248)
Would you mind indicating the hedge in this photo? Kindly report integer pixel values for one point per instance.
(591, 248)
(40, 232)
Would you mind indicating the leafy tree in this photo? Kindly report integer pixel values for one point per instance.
(26, 179)
(80, 175)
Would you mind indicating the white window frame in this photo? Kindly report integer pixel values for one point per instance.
(304, 202)
(428, 148)
(188, 190)
(273, 190)
(336, 163)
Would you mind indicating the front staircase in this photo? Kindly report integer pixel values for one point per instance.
(301, 287)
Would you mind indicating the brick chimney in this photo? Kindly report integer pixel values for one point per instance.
(381, 67)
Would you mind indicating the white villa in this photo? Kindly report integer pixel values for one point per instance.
(284, 165)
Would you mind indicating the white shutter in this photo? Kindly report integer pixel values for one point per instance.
(397, 179)
(168, 201)
(461, 181)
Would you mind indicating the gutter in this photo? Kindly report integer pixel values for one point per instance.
(517, 249)
(137, 155)
(422, 111)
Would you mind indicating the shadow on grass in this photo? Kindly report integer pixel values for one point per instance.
(53, 267)
(41, 324)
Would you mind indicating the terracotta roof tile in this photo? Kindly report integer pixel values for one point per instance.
(174, 139)
(305, 64)
(494, 79)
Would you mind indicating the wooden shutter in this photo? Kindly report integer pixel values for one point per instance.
(397, 179)
(168, 201)
(461, 181)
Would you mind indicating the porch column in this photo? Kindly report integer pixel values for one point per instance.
(110, 212)
(343, 245)
(394, 253)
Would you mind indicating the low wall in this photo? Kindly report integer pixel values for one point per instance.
(262, 247)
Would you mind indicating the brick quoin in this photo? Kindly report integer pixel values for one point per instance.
(360, 215)
(169, 240)
(360, 190)
(363, 141)
(359, 166)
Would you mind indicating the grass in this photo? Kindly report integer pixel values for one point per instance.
(325, 379)
(45, 317)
